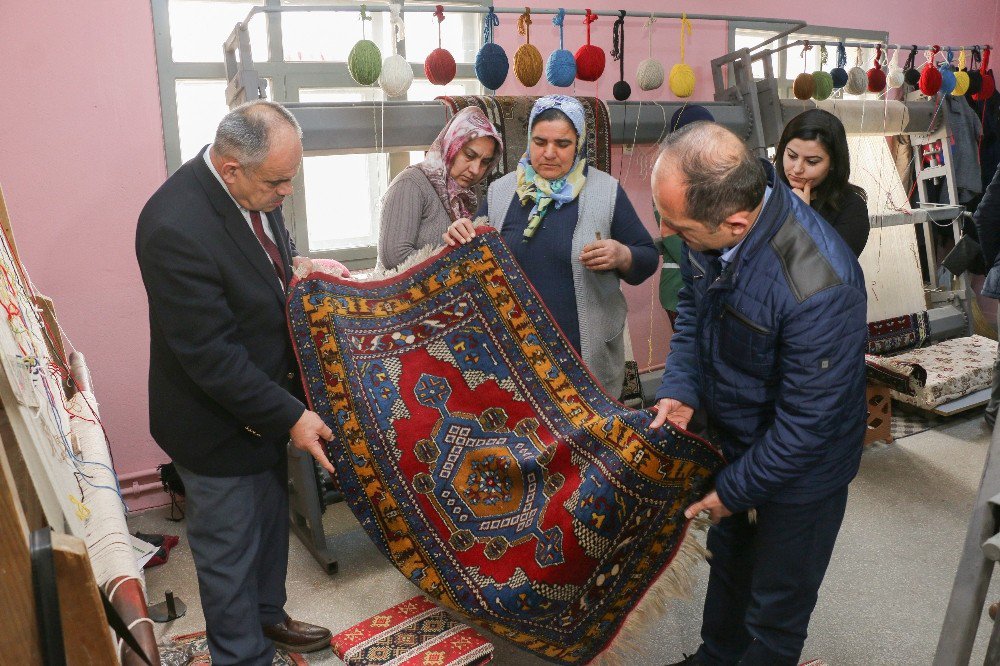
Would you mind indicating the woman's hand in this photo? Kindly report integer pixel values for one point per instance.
(805, 193)
(460, 232)
(606, 255)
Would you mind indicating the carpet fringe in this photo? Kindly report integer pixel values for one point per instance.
(381, 273)
(675, 582)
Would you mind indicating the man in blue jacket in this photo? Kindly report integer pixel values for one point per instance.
(987, 220)
(769, 343)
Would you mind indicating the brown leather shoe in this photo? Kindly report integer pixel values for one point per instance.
(296, 636)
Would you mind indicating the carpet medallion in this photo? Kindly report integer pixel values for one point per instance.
(483, 459)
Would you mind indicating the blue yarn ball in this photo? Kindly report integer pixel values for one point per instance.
(948, 80)
(839, 76)
(492, 66)
(560, 70)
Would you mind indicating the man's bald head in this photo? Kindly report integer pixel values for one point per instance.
(249, 132)
(719, 174)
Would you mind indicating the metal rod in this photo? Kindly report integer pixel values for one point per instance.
(871, 45)
(511, 10)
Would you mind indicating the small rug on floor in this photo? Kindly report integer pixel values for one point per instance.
(182, 650)
(410, 633)
(487, 464)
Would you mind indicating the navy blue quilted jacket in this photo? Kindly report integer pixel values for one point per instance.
(772, 349)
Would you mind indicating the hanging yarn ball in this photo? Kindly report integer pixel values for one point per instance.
(948, 80)
(896, 79)
(988, 86)
(822, 85)
(560, 68)
(975, 82)
(491, 61)
(682, 80)
(857, 81)
(839, 77)
(912, 77)
(365, 62)
(621, 90)
(804, 86)
(589, 58)
(876, 80)
(397, 75)
(492, 66)
(528, 64)
(961, 83)
(650, 74)
(589, 62)
(439, 67)
(930, 80)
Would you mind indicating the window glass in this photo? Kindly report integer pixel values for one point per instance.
(329, 36)
(747, 39)
(199, 27)
(342, 192)
(201, 104)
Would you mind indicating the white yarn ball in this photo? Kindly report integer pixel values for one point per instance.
(397, 75)
(650, 74)
(857, 81)
(895, 78)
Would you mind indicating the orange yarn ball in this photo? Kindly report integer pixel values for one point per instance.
(528, 64)
(804, 86)
(439, 68)
(589, 62)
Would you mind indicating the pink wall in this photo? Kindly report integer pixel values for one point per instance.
(82, 150)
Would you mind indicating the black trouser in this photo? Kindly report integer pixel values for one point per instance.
(764, 581)
(237, 527)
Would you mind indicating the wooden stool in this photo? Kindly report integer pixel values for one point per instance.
(879, 419)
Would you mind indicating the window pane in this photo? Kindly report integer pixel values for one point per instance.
(328, 36)
(747, 39)
(459, 34)
(201, 104)
(422, 89)
(342, 191)
(340, 194)
(199, 27)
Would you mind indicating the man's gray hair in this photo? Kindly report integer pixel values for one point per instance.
(722, 175)
(245, 132)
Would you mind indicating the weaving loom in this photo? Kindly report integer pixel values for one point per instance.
(486, 463)
(58, 473)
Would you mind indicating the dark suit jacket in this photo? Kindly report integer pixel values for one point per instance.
(222, 372)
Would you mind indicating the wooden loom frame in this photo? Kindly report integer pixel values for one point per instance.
(26, 504)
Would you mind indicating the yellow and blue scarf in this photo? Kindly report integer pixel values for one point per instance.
(543, 192)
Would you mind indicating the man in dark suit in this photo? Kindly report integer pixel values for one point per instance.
(224, 393)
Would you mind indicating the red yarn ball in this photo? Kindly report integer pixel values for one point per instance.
(930, 80)
(589, 62)
(439, 68)
(876, 80)
(988, 87)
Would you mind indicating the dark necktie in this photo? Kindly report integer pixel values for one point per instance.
(269, 246)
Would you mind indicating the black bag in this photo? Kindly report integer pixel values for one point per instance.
(173, 485)
(967, 255)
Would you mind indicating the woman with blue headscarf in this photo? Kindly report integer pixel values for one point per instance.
(575, 234)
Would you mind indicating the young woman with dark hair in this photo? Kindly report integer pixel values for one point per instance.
(812, 158)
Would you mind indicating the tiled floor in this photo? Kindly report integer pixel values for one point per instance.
(882, 601)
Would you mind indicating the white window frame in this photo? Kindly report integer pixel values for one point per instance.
(285, 78)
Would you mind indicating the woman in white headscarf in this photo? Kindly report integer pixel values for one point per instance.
(575, 234)
(425, 198)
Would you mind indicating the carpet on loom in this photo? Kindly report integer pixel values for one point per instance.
(510, 116)
(898, 333)
(485, 462)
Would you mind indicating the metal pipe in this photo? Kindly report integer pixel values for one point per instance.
(871, 45)
(138, 489)
(512, 10)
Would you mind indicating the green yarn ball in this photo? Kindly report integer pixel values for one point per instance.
(824, 85)
(365, 62)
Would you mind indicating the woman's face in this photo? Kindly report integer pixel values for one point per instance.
(473, 161)
(553, 148)
(805, 162)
